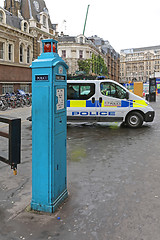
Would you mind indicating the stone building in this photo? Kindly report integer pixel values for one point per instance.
(71, 49)
(138, 64)
(23, 24)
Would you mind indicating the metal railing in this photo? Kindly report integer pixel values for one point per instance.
(14, 137)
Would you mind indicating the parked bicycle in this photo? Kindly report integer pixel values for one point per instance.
(14, 100)
(3, 104)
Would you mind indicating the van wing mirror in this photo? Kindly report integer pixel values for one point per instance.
(127, 95)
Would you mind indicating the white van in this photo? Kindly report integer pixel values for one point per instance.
(106, 101)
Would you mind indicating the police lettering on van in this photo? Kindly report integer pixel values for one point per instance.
(106, 101)
(93, 113)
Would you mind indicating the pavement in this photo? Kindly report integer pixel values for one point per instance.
(113, 184)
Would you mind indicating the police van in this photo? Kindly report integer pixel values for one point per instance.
(106, 101)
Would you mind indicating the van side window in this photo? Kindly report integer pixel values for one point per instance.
(79, 91)
(112, 90)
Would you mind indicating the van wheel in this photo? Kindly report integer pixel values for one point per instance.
(134, 120)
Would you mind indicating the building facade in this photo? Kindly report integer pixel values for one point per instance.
(112, 57)
(72, 49)
(139, 64)
(23, 24)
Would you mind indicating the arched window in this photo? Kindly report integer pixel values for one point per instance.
(1, 16)
(25, 27)
(44, 21)
(21, 53)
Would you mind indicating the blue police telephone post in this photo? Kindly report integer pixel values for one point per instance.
(49, 97)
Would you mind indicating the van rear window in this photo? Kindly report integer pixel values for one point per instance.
(79, 91)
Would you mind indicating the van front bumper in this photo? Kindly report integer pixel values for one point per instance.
(149, 116)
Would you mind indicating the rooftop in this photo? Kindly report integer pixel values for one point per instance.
(12, 20)
(133, 50)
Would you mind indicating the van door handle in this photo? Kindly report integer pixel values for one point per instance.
(93, 100)
(100, 100)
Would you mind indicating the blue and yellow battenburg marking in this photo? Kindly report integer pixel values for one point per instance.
(81, 103)
(122, 103)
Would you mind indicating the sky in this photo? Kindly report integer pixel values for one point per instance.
(124, 23)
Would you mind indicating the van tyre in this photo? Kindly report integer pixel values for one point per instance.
(134, 120)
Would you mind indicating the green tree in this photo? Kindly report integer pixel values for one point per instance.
(84, 65)
(94, 65)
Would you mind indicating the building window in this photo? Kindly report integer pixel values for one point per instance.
(112, 90)
(1, 50)
(80, 91)
(63, 53)
(28, 54)
(25, 27)
(1, 16)
(21, 53)
(7, 88)
(25, 88)
(10, 52)
(44, 21)
(80, 54)
(81, 39)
